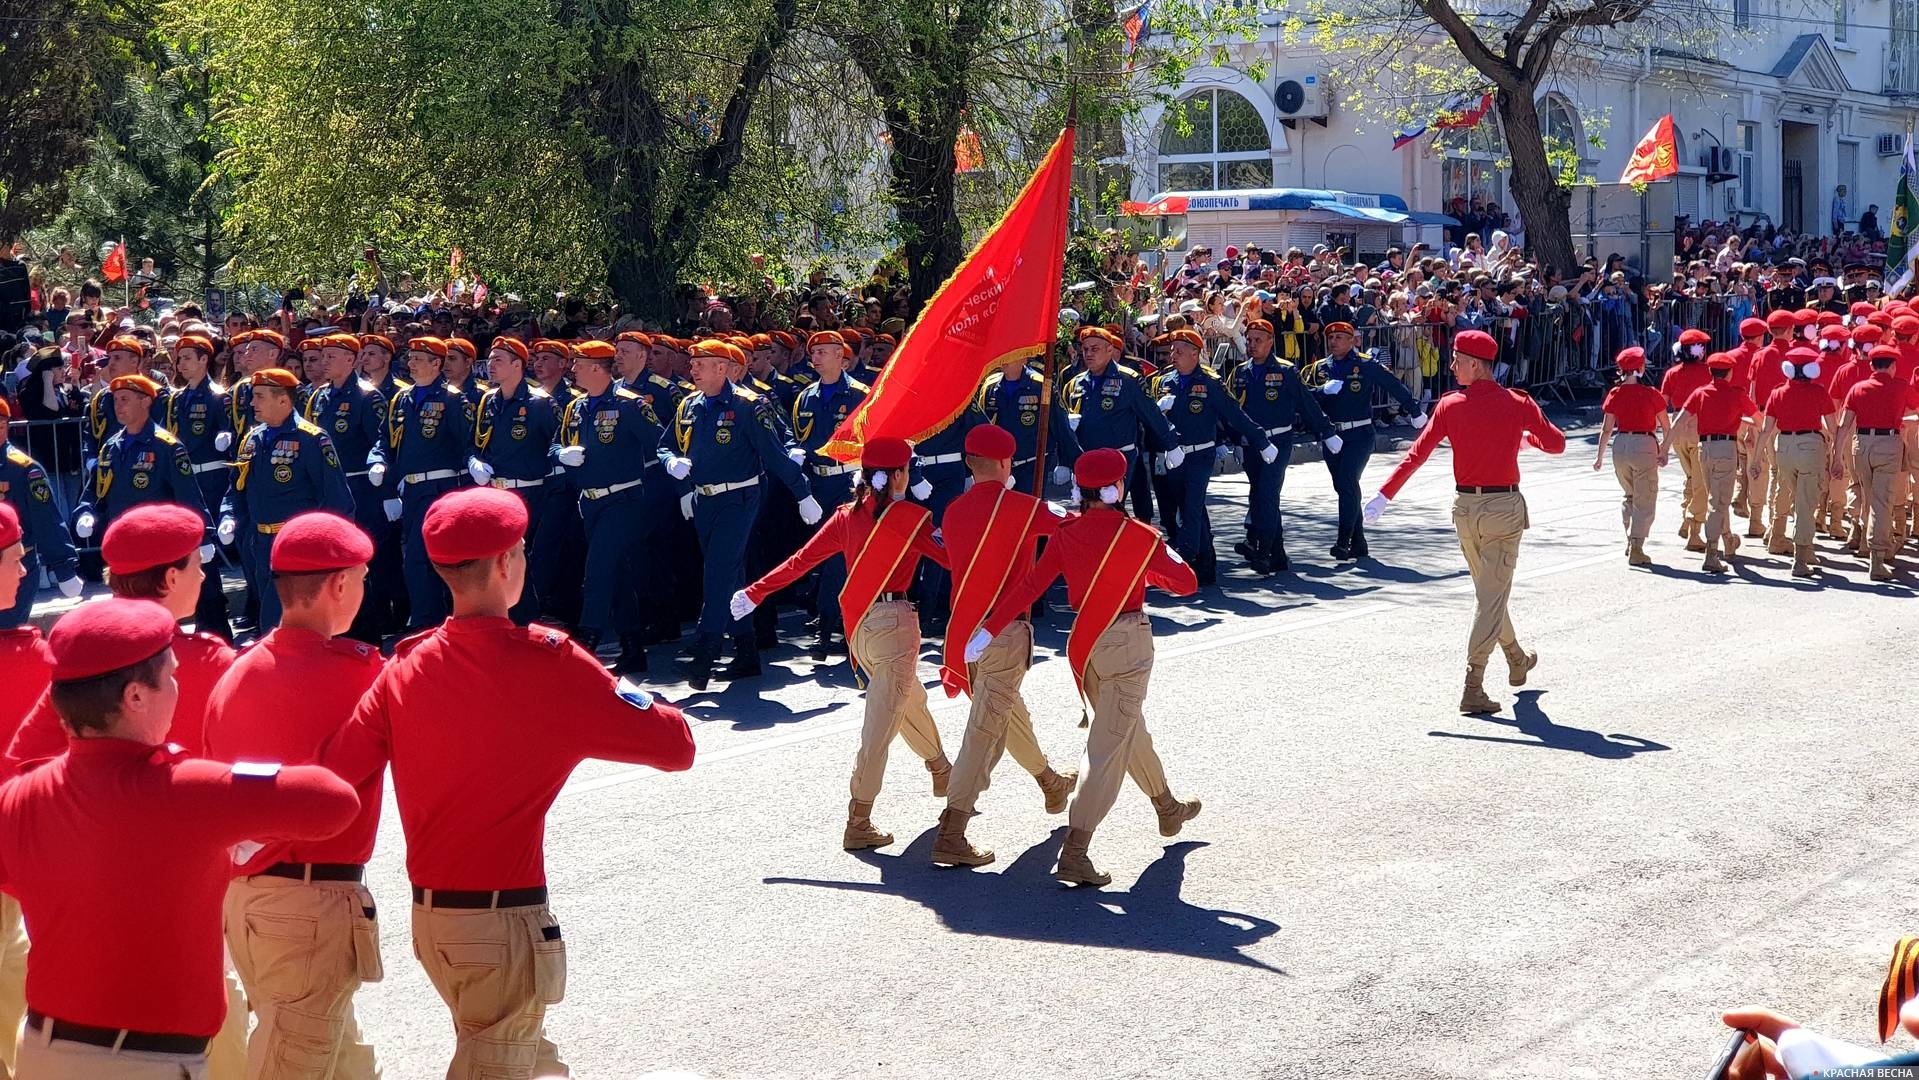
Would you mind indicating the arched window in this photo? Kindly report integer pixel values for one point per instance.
(1225, 147)
(1470, 170)
(1562, 124)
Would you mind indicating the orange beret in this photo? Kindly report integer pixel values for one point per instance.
(636, 336)
(761, 341)
(272, 337)
(1102, 333)
(593, 350)
(721, 350)
(510, 344)
(381, 340)
(1189, 337)
(124, 343)
(279, 378)
(194, 341)
(557, 348)
(852, 338)
(1261, 325)
(107, 635)
(429, 344)
(463, 345)
(786, 339)
(139, 383)
(339, 341)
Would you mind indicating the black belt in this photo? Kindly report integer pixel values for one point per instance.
(1717, 438)
(120, 1038)
(319, 871)
(1623, 431)
(480, 899)
(1878, 431)
(1486, 489)
(890, 598)
(1805, 431)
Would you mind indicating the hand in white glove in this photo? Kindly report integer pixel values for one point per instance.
(678, 467)
(976, 645)
(392, 508)
(245, 850)
(1062, 475)
(1332, 387)
(572, 455)
(1175, 458)
(206, 553)
(226, 530)
(1072, 420)
(376, 473)
(1419, 421)
(222, 440)
(1166, 403)
(71, 587)
(480, 471)
(922, 488)
(741, 605)
(1334, 443)
(1375, 507)
(1270, 454)
(810, 511)
(796, 455)
(83, 525)
(686, 506)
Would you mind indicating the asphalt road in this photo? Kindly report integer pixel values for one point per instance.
(1703, 799)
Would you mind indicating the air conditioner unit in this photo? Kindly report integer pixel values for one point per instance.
(1718, 159)
(1302, 97)
(1890, 144)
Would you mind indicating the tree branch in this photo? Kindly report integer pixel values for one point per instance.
(1497, 68)
(1517, 35)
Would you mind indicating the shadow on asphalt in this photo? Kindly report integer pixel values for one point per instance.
(1530, 720)
(1024, 903)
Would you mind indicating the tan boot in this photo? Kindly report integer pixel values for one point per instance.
(1685, 526)
(1474, 701)
(1518, 663)
(1804, 562)
(1778, 542)
(1075, 865)
(1636, 553)
(1754, 529)
(1696, 538)
(942, 771)
(1713, 564)
(1880, 570)
(1730, 542)
(1173, 813)
(1058, 788)
(860, 832)
(951, 847)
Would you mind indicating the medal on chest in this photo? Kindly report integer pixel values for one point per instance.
(1196, 398)
(430, 415)
(723, 428)
(340, 421)
(606, 424)
(518, 431)
(284, 453)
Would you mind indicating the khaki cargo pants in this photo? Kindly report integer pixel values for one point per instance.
(1719, 460)
(497, 971)
(1490, 526)
(1117, 742)
(1801, 464)
(302, 949)
(1635, 462)
(998, 720)
(1692, 494)
(1877, 462)
(887, 645)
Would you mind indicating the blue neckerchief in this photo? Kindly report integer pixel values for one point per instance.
(828, 389)
(419, 392)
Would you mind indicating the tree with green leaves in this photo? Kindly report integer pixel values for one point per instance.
(59, 63)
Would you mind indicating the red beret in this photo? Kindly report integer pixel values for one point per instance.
(381, 340)
(1805, 317)
(1694, 337)
(277, 377)
(1632, 358)
(886, 453)
(1098, 468)
(512, 345)
(149, 535)
(139, 383)
(991, 441)
(1477, 344)
(1781, 321)
(1752, 328)
(1337, 327)
(320, 540)
(1720, 361)
(1882, 353)
(9, 525)
(107, 635)
(1867, 334)
(593, 350)
(473, 523)
(429, 344)
(1860, 309)
(1906, 325)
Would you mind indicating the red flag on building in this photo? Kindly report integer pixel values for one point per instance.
(1656, 156)
(967, 154)
(1002, 303)
(114, 266)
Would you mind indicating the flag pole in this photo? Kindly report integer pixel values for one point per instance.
(126, 275)
(1051, 354)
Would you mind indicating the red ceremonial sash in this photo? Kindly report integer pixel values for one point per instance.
(978, 585)
(1119, 572)
(890, 541)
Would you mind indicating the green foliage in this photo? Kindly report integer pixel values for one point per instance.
(59, 62)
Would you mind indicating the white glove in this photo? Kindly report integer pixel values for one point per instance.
(222, 440)
(1270, 454)
(1332, 387)
(572, 455)
(71, 587)
(245, 850)
(83, 525)
(922, 488)
(1333, 443)
(1175, 458)
(1166, 403)
(206, 553)
(678, 467)
(742, 605)
(686, 506)
(976, 645)
(393, 508)
(1375, 507)
(1062, 475)
(480, 471)
(796, 455)
(1072, 420)
(810, 511)
(226, 530)
(1419, 421)
(376, 473)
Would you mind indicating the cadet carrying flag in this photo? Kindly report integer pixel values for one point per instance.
(1001, 304)
(1905, 216)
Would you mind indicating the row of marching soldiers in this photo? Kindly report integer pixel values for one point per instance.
(1804, 429)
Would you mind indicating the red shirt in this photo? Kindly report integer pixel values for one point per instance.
(1849, 375)
(278, 702)
(964, 526)
(1880, 400)
(1719, 406)
(1485, 423)
(1767, 375)
(1799, 406)
(1745, 358)
(1635, 407)
(118, 853)
(1076, 551)
(24, 670)
(1681, 380)
(845, 534)
(483, 721)
(1908, 362)
(203, 659)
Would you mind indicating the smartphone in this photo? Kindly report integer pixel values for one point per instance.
(1723, 1065)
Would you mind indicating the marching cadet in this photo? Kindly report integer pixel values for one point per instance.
(516, 434)
(551, 574)
(309, 367)
(1106, 404)
(24, 668)
(1347, 381)
(278, 702)
(1871, 421)
(1768, 372)
(552, 362)
(1834, 353)
(1108, 560)
(1011, 397)
(1269, 390)
(634, 356)
(1687, 374)
(125, 356)
(722, 442)
(429, 434)
(1801, 414)
(1752, 341)
(351, 411)
(44, 541)
(458, 371)
(196, 414)
(482, 722)
(1198, 404)
(139, 463)
(384, 610)
(882, 536)
(940, 461)
(376, 366)
(1864, 337)
(1485, 424)
(608, 439)
(1635, 421)
(126, 972)
(991, 535)
(818, 412)
(1711, 416)
(286, 465)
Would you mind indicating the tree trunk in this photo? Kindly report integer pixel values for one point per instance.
(1544, 206)
(926, 200)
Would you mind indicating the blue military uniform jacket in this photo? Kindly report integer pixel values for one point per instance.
(1201, 405)
(1274, 395)
(1014, 405)
(518, 435)
(197, 415)
(102, 425)
(1358, 377)
(24, 485)
(730, 438)
(429, 429)
(1113, 410)
(133, 469)
(819, 411)
(619, 432)
(284, 471)
(353, 416)
(660, 393)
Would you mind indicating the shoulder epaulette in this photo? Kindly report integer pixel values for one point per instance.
(659, 380)
(302, 424)
(163, 435)
(538, 393)
(626, 394)
(367, 387)
(745, 393)
(18, 456)
(1210, 370)
(857, 385)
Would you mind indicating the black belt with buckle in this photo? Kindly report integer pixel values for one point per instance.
(1487, 489)
(1805, 431)
(121, 1038)
(1717, 438)
(480, 899)
(319, 871)
(1878, 431)
(890, 598)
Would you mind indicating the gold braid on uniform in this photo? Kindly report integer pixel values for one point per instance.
(1902, 984)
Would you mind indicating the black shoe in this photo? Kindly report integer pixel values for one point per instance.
(1343, 554)
(632, 659)
(588, 639)
(1361, 551)
(1280, 563)
(1245, 549)
(1259, 566)
(822, 646)
(699, 669)
(743, 666)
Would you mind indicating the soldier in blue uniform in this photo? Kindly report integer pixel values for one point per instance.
(384, 610)
(1272, 393)
(352, 412)
(1107, 407)
(458, 371)
(1198, 404)
(24, 486)
(376, 365)
(723, 444)
(253, 350)
(287, 466)
(1011, 397)
(516, 434)
(940, 476)
(1346, 381)
(817, 413)
(429, 435)
(140, 463)
(125, 356)
(553, 573)
(196, 413)
(609, 442)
